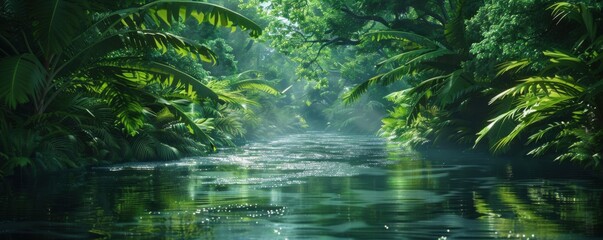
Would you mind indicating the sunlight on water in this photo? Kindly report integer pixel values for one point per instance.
(314, 185)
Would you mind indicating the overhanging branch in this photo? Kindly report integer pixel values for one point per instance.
(368, 18)
(326, 42)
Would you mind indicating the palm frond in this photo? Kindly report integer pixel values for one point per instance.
(235, 98)
(562, 60)
(562, 85)
(162, 41)
(540, 134)
(57, 22)
(143, 147)
(136, 39)
(405, 62)
(192, 125)
(145, 72)
(578, 12)
(254, 85)
(355, 93)
(399, 35)
(512, 65)
(210, 110)
(22, 76)
(526, 113)
(57, 152)
(495, 123)
(226, 95)
(404, 57)
(230, 125)
(177, 128)
(126, 104)
(456, 86)
(398, 97)
(166, 152)
(561, 10)
(206, 124)
(454, 29)
(167, 12)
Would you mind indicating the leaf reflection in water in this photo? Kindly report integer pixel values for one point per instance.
(314, 185)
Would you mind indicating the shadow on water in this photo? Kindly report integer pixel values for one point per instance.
(314, 185)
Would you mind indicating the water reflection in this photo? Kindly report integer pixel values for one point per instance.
(315, 185)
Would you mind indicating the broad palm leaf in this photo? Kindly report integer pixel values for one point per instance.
(66, 39)
(405, 63)
(50, 49)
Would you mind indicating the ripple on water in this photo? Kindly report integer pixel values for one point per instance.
(281, 162)
(308, 186)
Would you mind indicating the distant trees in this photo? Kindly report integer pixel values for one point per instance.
(455, 64)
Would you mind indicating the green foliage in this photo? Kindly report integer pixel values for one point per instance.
(440, 86)
(22, 78)
(240, 96)
(38, 147)
(91, 82)
(81, 43)
(56, 51)
(504, 31)
(560, 106)
(426, 52)
(445, 60)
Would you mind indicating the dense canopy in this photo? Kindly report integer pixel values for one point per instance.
(158, 80)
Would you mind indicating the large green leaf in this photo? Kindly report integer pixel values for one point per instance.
(411, 60)
(124, 98)
(404, 57)
(139, 39)
(542, 86)
(355, 93)
(193, 127)
(455, 86)
(167, 12)
(146, 72)
(57, 22)
(144, 147)
(227, 95)
(21, 77)
(254, 85)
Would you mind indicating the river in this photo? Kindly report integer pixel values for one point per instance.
(312, 186)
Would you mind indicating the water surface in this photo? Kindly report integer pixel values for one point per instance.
(312, 186)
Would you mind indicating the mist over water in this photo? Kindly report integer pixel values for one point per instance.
(308, 186)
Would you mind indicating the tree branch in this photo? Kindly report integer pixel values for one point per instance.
(326, 42)
(369, 18)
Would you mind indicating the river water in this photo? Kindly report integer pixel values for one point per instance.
(312, 186)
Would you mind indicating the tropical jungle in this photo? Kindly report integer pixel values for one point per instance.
(301, 119)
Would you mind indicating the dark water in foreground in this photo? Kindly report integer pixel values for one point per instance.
(312, 186)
